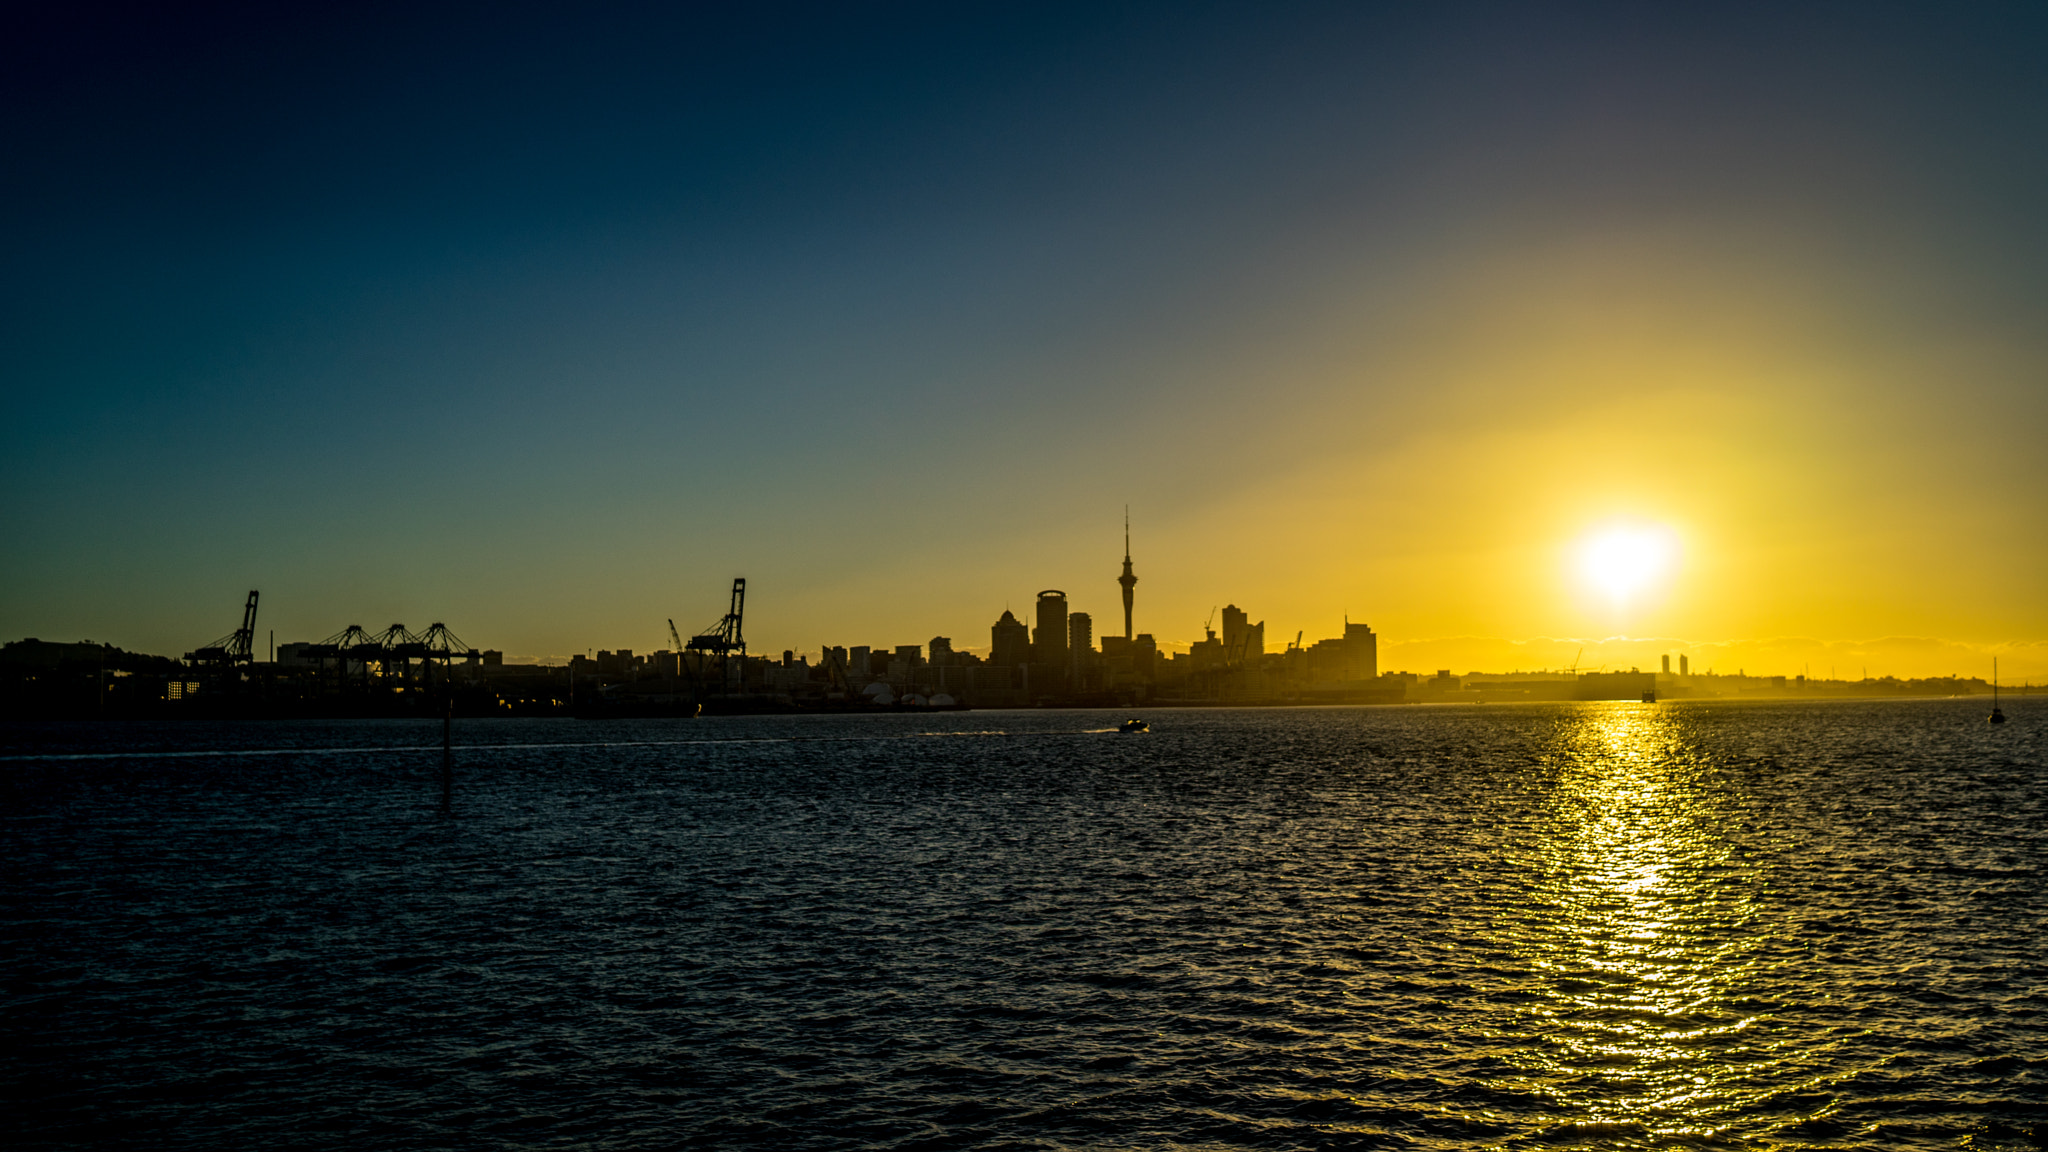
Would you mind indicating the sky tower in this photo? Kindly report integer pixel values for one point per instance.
(1128, 580)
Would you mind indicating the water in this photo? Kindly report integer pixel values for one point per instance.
(1591, 925)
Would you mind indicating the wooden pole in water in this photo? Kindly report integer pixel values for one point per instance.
(448, 754)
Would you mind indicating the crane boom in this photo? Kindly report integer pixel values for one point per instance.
(245, 640)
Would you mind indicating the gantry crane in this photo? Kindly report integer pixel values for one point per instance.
(724, 638)
(235, 648)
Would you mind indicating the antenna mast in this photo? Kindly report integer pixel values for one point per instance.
(1129, 579)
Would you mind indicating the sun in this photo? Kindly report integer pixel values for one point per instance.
(1624, 560)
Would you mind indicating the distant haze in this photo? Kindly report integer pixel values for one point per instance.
(546, 325)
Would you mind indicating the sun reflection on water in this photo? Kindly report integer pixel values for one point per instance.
(1642, 931)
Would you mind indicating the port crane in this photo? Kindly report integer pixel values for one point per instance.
(445, 646)
(724, 638)
(351, 644)
(226, 660)
(237, 647)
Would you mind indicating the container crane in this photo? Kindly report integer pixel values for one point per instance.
(230, 655)
(725, 638)
(445, 646)
(237, 647)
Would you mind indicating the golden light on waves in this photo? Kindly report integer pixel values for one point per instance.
(1644, 939)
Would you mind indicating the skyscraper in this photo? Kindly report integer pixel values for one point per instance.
(1129, 580)
(1009, 642)
(1049, 641)
(1362, 651)
(1242, 639)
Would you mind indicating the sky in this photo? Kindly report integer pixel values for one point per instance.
(546, 322)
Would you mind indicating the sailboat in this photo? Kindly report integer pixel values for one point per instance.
(1997, 713)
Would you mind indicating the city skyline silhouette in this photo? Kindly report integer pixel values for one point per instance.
(543, 323)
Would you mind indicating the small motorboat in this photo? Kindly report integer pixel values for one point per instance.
(1650, 697)
(1134, 725)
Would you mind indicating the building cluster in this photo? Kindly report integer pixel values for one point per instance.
(1053, 656)
(1668, 682)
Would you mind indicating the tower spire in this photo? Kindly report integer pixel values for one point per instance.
(1129, 580)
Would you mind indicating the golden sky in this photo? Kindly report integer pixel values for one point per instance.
(549, 338)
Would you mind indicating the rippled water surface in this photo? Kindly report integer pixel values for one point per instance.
(1597, 925)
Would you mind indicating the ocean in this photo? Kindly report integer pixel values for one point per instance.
(1686, 925)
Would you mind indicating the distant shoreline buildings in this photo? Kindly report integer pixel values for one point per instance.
(1054, 661)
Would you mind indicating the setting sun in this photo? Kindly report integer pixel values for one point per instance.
(1623, 561)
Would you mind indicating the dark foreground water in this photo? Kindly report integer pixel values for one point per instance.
(1600, 925)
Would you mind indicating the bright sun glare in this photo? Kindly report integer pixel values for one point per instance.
(1622, 561)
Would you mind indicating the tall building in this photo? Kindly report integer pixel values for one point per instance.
(1667, 663)
(1242, 639)
(1009, 642)
(1049, 640)
(1685, 665)
(1080, 633)
(1144, 656)
(1353, 656)
(941, 650)
(1129, 579)
(1361, 651)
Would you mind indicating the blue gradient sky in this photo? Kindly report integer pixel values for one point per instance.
(547, 322)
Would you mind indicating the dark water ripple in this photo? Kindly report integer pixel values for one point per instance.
(1754, 926)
